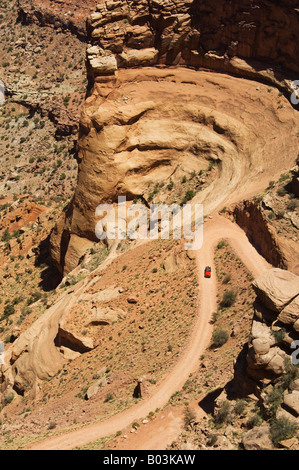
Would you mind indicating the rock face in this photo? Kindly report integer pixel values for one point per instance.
(276, 289)
(249, 216)
(258, 438)
(151, 118)
(229, 37)
(274, 326)
(134, 136)
(145, 124)
(276, 248)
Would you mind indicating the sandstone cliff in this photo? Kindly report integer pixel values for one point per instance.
(152, 119)
(247, 38)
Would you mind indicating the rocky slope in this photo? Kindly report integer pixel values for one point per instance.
(64, 16)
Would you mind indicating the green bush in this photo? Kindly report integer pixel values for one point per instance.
(220, 337)
(279, 335)
(228, 299)
(34, 298)
(212, 439)
(188, 196)
(240, 407)
(291, 374)
(226, 279)
(223, 413)
(292, 205)
(221, 244)
(8, 398)
(274, 399)
(109, 397)
(8, 310)
(281, 429)
(253, 421)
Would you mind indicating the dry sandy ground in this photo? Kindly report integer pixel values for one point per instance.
(216, 229)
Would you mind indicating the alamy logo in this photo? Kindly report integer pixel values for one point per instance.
(295, 94)
(137, 222)
(295, 354)
(2, 93)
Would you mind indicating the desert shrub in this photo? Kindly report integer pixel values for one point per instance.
(212, 439)
(223, 413)
(228, 299)
(291, 373)
(109, 397)
(281, 192)
(170, 185)
(221, 244)
(281, 429)
(8, 398)
(279, 335)
(215, 316)
(220, 337)
(9, 309)
(240, 407)
(188, 196)
(280, 214)
(274, 399)
(271, 185)
(292, 205)
(253, 421)
(34, 298)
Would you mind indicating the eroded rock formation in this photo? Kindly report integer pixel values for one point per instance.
(220, 35)
(152, 118)
(275, 325)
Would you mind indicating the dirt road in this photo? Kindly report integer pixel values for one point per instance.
(215, 229)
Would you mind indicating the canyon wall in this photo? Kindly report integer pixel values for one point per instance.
(155, 115)
(249, 38)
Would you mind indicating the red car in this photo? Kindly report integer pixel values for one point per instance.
(208, 271)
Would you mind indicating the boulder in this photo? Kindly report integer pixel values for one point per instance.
(139, 58)
(269, 365)
(261, 346)
(94, 388)
(261, 330)
(174, 262)
(258, 438)
(106, 316)
(291, 402)
(276, 288)
(290, 314)
(101, 62)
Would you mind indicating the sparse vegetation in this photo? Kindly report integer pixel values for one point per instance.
(282, 429)
(228, 299)
(220, 337)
